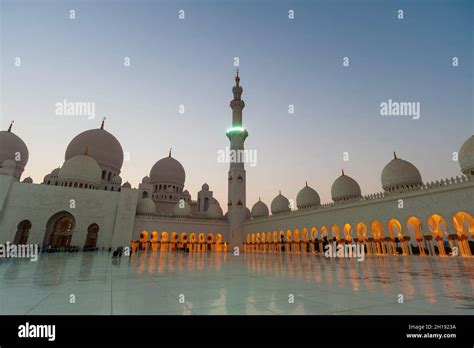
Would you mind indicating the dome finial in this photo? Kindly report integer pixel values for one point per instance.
(306, 183)
(103, 123)
(343, 172)
(11, 125)
(279, 192)
(394, 155)
(169, 155)
(259, 198)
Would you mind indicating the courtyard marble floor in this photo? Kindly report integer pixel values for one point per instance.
(158, 283)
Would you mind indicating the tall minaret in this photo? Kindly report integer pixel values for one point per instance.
(236, 195)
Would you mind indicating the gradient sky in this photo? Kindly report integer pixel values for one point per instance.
(282, 62)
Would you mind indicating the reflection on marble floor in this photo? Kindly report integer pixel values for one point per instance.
(154, 283)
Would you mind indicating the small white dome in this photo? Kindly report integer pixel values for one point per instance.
(168, 170)
(81, 169)
(9, 164)
(182, 208)
(205, 187)
(127, 185)
(146, 206)
(280, 204)
(46, 178)
(399, 173)
(214, 211)
(345, 188)
(117, 180)
(307, 197)
(146, 180)
(28, 180)
(466, 157)
(259, 209)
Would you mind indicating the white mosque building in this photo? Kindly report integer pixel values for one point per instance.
(85, 203)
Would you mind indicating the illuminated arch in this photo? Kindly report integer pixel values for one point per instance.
(304, 234)
(377, 229)
(335, 232)
(201, 238)
(210, 242)
(314, 233)
(361, 231)
(463, 223)
(394, 228)
(438, 226)
(347, 232)
(288, 235)
(414, 226)
(296, 235)
(144, 237)
(324, 233)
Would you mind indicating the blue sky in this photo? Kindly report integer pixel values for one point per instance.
(282, 62)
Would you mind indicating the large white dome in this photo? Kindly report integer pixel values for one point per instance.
(100, 144)
(146, 206)
(80, 169)
(259, 209)
(13, 148)
(280, 204)
(466, 156)
(307, 197)
(168, 170)
(399, 174)
(345, 188)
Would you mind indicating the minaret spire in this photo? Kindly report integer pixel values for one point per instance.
(237, 104)
(11, 125)
(237, 78)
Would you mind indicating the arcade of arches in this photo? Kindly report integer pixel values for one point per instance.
(59, 231)
(392, 237)
(174, 241)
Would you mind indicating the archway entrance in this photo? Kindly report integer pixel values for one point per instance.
(59, 230)
(143, 241)
(210, 242)
(22, 232)
(92, 235)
